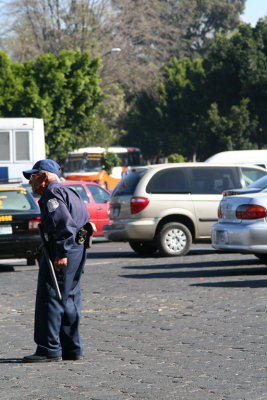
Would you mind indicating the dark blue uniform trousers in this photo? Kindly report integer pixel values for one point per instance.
(56, 328)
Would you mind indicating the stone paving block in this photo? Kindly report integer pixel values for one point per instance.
(192, 328)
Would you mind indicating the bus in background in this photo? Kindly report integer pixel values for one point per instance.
(22, 143)
(85, 164)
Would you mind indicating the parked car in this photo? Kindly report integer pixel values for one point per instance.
(254, 187)
(242, 224)
(166, 207)
(28, 187)
(19, 219)
(95, 197)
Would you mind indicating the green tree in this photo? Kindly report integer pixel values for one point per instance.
(236, 72)
(181, 106)
(171, 119)
(62, 90)
(109, 160)
(175, 158)
(11, 84)
(212, 105)
(143, 126)
(231, 131)
(69, 85)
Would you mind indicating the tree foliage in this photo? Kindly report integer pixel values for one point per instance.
(62, 90)
(189, 105)
(109, 160)
(175, 158)
(171, 122)
(204, 19)
(236, 76)
(205, 106)
(148, 32)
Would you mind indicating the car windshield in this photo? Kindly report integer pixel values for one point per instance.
(14, 200)
(260, 183)
(29, 188)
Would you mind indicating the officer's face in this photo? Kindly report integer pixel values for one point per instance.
(38, 182)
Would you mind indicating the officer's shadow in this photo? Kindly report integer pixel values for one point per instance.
(11, 360)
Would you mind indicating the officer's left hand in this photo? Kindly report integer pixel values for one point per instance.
(60, 263)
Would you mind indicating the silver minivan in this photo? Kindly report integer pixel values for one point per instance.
(166, 207)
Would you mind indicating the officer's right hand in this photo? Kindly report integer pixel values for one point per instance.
(60, 263)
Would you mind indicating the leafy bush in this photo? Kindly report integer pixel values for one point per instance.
(175, 158)
(109, 160)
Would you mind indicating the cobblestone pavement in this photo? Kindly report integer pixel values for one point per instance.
(190, 328)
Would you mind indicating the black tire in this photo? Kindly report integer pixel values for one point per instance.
(143, 248)
(262, 258)
(31, 260)
(174, 239)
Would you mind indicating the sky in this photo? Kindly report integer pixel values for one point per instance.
(254, 10)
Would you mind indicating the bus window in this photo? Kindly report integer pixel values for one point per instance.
(129, 158)
(92, 163)
(22, 145)
(5, 146)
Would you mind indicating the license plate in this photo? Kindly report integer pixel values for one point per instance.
(5, 230)
(222, 237)
(115, 212)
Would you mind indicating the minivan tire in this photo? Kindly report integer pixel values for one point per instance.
(143, 248)
(174, 239)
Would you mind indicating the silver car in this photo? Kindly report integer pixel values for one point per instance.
(166, 207)
(242, 224)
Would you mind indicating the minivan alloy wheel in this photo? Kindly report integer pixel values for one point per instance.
(174, 239)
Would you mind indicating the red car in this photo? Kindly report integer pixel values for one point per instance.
(96, 199)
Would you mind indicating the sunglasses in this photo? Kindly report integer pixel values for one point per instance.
(36, 174)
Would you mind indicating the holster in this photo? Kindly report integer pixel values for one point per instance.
(85, 234)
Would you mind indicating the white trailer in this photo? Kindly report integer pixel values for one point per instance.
(22, 143)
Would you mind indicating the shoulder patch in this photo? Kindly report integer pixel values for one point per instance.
(52, 205)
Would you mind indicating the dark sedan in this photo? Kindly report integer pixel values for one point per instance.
(19, 219)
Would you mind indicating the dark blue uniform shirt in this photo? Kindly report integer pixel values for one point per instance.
(63, 213)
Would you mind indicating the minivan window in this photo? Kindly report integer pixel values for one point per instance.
(171, 180)
(251, 175)
(212, 180)
(128, 184)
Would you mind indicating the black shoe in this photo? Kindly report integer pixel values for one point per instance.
(34, 358)
(71, 357)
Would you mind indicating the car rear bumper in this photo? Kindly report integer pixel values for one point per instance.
(15, 246)
(242, 238)
(130, 230)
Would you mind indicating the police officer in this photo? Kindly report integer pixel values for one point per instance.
(63, 214)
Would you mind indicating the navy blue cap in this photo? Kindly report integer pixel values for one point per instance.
(46, 165)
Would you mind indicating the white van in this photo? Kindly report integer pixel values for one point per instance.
(255, 157)
(22, 143)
